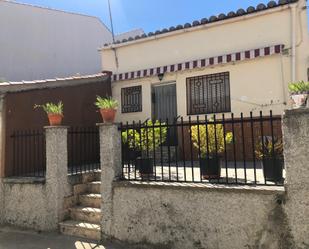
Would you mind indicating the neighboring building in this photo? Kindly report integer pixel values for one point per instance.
(17, 114)
(236, 62)
(41, 43)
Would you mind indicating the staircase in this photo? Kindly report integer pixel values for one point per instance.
(83, 209)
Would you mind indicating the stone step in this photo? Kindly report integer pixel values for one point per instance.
(90, 187)
(90, 200)
(80, 189)
(93, 176)
(86, 214)
(94, 187)
(81, 229)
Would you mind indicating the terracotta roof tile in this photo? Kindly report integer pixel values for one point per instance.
(212, 19)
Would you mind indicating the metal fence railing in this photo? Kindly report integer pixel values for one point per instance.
(210, 149)
(27, 154)
(83, 150)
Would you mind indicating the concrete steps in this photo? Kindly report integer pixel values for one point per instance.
(87, 214)
(84, 213)
(90, 200)
(94, 187)
(81, 229)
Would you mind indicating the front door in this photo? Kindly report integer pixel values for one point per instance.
(164, 105)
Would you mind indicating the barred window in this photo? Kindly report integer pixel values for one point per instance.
(131, 99)
(208, 94)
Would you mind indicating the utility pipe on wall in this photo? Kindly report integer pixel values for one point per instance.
(293, 38)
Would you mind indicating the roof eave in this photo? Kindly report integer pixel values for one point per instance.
(13, 87)
(200, 27)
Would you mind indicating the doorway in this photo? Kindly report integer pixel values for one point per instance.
(164, 107)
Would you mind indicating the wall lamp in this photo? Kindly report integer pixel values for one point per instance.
(161, 76)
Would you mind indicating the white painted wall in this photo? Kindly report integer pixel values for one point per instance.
(255, 86)
(259, 84)
(40, 43)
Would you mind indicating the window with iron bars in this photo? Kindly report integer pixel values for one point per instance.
(131, 99)
(208, 94)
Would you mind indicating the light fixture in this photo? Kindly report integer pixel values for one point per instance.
(161, 76)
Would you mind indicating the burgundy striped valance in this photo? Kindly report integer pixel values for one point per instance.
(201, 63)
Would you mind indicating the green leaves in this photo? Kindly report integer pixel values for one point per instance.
(51, 108)
(106, 103)
(148, 138)
(211, 140)
(269, 149)
(299, 87)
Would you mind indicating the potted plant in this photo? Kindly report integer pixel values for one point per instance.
(108, 108)
(146, 140)
(271, 154)
(299, 93)
(211, 143)
(130, 151)
(54, 112)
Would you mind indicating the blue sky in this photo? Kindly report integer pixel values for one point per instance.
(147, 14)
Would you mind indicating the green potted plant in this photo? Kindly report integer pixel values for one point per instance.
(210, 146)
(54, 112)
(299, 93)
(130, 151)
(146, 140)
(108, 108)
(271, 154)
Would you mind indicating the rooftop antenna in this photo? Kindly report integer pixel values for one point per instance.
(112, 28)
(111, 20)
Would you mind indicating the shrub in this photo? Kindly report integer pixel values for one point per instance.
(148, 138)
(51, 108)
(211, 143)
(106, 103)
(267, 150)
(299, 87)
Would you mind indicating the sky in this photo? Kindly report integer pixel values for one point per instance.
(149, 15)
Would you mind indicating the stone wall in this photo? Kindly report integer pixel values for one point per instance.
(38, 203)
(296, 148)
(25, 205)
(201, 216)
(197, 216)
(1, 202)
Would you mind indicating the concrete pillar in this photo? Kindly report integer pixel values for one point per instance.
(57, 186)
(110, 157)
(296, 154)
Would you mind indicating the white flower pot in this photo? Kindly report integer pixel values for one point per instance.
(300, 100)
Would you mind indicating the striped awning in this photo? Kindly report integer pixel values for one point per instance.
(201, 63)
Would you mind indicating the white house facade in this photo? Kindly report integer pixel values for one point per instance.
(236, 62)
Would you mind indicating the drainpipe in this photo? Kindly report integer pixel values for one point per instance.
(293, 36)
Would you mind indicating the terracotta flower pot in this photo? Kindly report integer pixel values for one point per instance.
(108, 115)
(55, 119)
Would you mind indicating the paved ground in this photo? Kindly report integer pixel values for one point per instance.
(11, 238)
(247, 173)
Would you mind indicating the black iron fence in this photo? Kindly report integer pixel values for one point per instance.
(217, 149)
(27, 154)
(83, 150)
